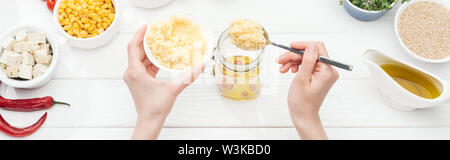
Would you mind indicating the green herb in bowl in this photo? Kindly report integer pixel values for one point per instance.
(374, 5)
(368, 10)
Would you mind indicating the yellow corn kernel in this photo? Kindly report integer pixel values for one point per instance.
(66, 21)
(68, 10)
(86, 26)
(85, 18)
(100, 30)
(111, 17)
(91, 29)
(66, 28)
(83, 33)
(60, 18)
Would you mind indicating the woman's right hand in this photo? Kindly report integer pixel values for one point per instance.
(309, 88)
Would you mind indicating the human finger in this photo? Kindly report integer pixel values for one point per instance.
(188, 78)
(308, 63)
(289, 57)
(135, 47)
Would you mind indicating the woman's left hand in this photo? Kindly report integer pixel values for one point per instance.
(152, 97)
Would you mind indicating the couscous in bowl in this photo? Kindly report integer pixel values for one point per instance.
(204, 29)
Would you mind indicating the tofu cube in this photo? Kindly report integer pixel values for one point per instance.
(26, 71)
(27, 58)
(11, 58)
(21, 36)
(12, 71)
(3, 57)
(8, 44)
(36, 37)
(25, 46)
(42, 56)
(39, 69)
(3, 66)
(46, 47)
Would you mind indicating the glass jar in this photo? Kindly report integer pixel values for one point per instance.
(236, 71)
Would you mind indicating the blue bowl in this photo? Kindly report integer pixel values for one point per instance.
(361, 14)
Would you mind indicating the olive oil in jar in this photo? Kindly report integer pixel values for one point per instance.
(238, 85)
(237, 71)
(413, 81)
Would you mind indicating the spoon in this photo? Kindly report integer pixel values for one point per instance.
(321, 58)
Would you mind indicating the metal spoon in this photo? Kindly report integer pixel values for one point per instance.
(321, 58)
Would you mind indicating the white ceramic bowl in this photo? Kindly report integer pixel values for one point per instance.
(92, 42)
(47, 75)
(446, 3)
(205, 29)
(150, 3)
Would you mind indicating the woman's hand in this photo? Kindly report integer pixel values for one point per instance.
(153, 98)
(309, 87)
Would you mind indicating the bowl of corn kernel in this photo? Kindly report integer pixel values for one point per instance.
(87, 24)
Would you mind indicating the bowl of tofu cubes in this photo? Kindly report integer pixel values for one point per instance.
(28, 57)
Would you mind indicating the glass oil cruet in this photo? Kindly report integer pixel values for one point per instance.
(237, 71)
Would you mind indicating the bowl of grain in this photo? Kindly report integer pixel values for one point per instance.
(423, 29)
(177, 41)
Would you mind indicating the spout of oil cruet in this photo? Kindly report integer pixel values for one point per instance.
(445, 95)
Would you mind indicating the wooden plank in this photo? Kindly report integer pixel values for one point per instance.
(107, 103)
(293, 16)
(110, 61)
(346, 43)
(240, 134)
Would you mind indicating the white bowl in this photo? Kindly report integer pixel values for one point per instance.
(205, 29)
(150, 3)
(47, 75)
(446, 3)
(92, 42)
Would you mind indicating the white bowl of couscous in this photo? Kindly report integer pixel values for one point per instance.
(87, 24)
(177, 41)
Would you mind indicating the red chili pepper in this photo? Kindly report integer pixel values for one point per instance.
(21, 132)
(27, 105)
(51, 4)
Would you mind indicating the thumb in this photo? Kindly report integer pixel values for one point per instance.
(308, 64)
(188, 78)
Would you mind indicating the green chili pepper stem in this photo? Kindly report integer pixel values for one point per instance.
(63, 103)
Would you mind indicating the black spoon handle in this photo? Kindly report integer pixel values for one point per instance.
(321, 58)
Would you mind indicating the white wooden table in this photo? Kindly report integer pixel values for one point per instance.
(102, 108)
